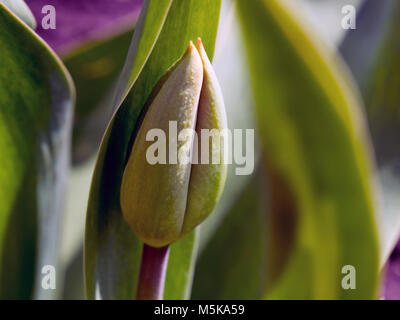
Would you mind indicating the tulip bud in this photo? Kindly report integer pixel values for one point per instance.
(163, 202)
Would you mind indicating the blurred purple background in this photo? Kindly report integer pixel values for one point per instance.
(79, 21)
(391, 285)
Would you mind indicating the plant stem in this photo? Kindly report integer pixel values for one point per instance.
(152, 273)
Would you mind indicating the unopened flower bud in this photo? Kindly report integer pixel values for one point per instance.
(162, 202)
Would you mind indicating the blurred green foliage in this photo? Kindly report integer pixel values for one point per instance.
(318, 157)
(36, 104)
(94, 69)
(308, 211)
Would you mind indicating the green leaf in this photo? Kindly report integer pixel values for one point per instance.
(21, 10)
(181, 262)
(375, 63)
(318, 158)
(233, 264)
(112, 251)
(36, 105)
(148, 28)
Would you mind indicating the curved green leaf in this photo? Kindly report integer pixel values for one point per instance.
(151, 20)
(371, 54)
(36, 104)
(112, 251)
(318, 159)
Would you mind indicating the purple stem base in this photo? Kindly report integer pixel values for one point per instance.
(152, 273)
